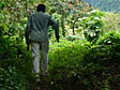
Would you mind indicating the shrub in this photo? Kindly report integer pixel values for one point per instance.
(110, 38)
(93, 25)
(76, 66)
(15, 65)
(105, 55)
(112, 21)
(65, 64)
(106, 62)
(73, 38)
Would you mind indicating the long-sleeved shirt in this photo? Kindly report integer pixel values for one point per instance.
(37, 27)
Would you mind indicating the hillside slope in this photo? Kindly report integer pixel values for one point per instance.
(106, 5)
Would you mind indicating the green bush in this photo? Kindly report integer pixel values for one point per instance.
(110, 38)
(15, 65)
(74, 65)
(65, 64)
(105, 55)
(93, 25)
(112, 21)
(106, 62)
(73, 38)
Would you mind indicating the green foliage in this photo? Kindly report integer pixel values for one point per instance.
(74, 38)
(64, 64)
(15, 65)
(105, 59)
(109, 38)
(73, 62)
(74, 65)
(93, 25)
(112, 21)
(77, 65)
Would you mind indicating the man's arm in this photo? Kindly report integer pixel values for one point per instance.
(57, 31)
(27, 32)
(55, 26)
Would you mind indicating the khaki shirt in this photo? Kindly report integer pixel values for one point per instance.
(37, 27)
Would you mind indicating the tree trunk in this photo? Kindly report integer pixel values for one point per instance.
(74, 27)
(62, 24)
(75, 20)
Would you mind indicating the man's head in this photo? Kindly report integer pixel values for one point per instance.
(41, 7)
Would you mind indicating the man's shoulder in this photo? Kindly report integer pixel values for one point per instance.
(40, 13)
(46, 14)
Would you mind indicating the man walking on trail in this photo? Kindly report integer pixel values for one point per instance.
(37, 35)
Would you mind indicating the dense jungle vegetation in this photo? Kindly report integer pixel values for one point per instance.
(86, 58)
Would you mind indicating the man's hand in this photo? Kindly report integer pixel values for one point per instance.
(27, 42)
(28, 47)
(58, 37)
